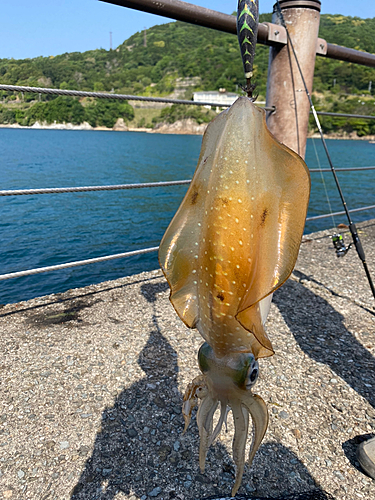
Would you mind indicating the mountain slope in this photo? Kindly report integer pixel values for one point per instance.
(182, 50)
(176, 51)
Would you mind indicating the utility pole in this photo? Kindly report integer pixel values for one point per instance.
(110, 40)
(145, 37)
(370, 86)
(285, 90)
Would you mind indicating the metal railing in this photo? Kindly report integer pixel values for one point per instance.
(268, 33)
(128, 97)
(116, 187)
(81, 189)
(106, 95)
(95, 260)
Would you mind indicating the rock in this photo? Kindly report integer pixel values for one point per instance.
(155, 492)
(64, 445)
(283, 414)
(249, 489)
(120, 125)
(164, 451)
(227, 477)
(21, 474)
(176, 445)
(132, 433)
(338, 474)
(50, 445)
(186, 454)
(83, 451)
(202, 479)
(296, 433)
(188, 484)
(159, 402)
(106, 472)
(186, 126)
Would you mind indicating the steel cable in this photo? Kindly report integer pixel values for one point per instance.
(104, 95)
(95, 260)
(14, 192)
(29, 272)
(114, 187)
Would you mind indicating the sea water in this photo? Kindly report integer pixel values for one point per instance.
(43, 230)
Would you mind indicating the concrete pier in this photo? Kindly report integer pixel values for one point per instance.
(92, 383)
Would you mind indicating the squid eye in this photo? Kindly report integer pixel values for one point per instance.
(252, 376)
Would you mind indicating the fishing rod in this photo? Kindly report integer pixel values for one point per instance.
(338, 242)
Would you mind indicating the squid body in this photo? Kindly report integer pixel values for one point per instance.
(233, 241)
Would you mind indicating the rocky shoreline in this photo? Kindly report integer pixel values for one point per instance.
(181, 127)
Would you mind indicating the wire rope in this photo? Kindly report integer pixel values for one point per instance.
(80, 189)
(106, 95)
(324, 216)
(95, 260)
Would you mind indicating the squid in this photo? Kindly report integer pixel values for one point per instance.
(232, 242)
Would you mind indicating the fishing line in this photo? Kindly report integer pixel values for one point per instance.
(353, 230)
(324, 184)
(295, 99)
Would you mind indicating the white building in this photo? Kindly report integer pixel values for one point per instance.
(216, 96)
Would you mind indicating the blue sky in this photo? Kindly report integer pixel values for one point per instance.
(51, 27)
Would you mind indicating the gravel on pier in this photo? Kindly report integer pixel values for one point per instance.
(92, 383)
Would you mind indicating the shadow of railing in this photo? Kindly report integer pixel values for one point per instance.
(321, 333)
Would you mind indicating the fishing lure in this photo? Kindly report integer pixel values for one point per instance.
(233, 241)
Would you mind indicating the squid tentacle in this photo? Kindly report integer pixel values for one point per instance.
(259, 414)
(205, 423)
(241, 427)
(196, 389)
(224, 410)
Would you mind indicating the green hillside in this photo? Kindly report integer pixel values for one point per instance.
(179, 51)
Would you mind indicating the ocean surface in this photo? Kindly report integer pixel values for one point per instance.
(42, 230)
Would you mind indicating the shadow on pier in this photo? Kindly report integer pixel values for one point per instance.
(139, 449)
(320, 332)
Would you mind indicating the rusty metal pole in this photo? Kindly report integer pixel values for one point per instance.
(285, 90)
